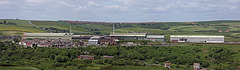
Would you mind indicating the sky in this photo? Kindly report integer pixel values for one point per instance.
(121, 10)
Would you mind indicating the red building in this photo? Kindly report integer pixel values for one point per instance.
(108, 41)
(168, 65)
(238, 68)
(86, 57)
(108, 57)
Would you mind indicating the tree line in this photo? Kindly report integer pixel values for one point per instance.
(64, 58)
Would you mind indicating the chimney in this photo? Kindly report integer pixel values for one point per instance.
(113, 28)
(70, 31)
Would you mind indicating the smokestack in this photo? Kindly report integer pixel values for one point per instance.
(113, 28)
(70, 31)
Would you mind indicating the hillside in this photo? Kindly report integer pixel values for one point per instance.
(229, 28)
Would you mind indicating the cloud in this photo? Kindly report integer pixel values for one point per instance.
(4, 2)
(163, 8)
(80, 8)
(120, 9)
(38, 1)
(92, 3)
(117, 7)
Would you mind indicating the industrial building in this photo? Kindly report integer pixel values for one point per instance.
(196, 39)
(129, 36)
(159, 38)
(93, 40)
(67, 36)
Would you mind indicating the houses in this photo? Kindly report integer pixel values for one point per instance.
(67, 36)
(196, 66)
(91, 57)
(82, 57)
(221, 31)
(196, 39)
(108, 41)
(168, 65)
(108, 57)
(9, 38)
(129, 44)
(60, 43)
(103, 40)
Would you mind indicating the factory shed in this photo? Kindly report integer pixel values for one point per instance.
(81, 37)
(197, 39)
(129, 36)
(94, 40)
(155, 38)
(47, 36)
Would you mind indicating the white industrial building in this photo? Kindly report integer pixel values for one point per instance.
(196, 39)
(94, 40)
(129, 36)
(155, 38)
(47, 36)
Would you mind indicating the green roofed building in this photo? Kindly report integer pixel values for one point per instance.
(47, 36)
(129, 36)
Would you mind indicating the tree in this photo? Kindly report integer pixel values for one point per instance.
(61, 58)
(16, 40)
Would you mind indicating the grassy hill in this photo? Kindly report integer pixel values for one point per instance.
(163, 28)
(21, 27)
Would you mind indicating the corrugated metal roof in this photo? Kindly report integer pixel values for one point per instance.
(155, 36)
(128, 34)
(96, 37)
(93, 40)
(46, 34)
(194, 36)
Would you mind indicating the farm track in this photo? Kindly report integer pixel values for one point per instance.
(29, 22)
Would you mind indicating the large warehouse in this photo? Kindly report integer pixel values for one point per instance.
(47, 36)
(129, 36)
(155, 38)
(197, 39)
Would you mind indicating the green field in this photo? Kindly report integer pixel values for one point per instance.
(21, 27)
(161, 28)
(58, 24)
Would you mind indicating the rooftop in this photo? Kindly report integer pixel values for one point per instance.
(86, 56)
(196, 64)
(194, 36)
(128, 34)
(155, 36)
(45, 34)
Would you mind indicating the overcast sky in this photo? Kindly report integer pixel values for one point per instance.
(121, 10)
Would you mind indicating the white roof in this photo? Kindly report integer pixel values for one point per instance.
(155, 36)
(128, 34)
(194, 36)
(96, 37)
(93, 40)
(46, 34)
